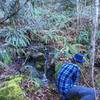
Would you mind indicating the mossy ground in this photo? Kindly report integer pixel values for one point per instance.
(10, 89)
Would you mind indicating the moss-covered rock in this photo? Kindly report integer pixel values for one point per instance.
(10, 89)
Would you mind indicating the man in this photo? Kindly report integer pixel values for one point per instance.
(67, 80)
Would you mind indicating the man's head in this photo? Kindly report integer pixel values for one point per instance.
(79, 58)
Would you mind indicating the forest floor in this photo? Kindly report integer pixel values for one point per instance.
(48, 92)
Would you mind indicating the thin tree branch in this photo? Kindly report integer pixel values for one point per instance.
(84, 79)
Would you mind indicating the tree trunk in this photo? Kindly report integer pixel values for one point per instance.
(93, 36)
(78, 15)
(85, 3)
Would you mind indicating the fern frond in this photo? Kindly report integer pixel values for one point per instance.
(17, 39)
(4, 55)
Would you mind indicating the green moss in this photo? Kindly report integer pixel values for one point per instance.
(10, 90)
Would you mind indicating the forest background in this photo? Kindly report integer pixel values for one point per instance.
(36, 36)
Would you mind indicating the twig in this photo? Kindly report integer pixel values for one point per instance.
(84, 79)
(26, 59)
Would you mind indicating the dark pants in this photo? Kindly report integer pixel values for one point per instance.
(85, 93)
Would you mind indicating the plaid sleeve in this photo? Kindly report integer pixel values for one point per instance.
(63, 80)
(76, 75)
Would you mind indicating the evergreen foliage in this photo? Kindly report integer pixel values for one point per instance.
(10, 89)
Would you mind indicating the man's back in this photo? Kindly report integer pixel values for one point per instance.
(67, 76)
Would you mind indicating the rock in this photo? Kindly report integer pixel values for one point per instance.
(37, 55)
(29, 71)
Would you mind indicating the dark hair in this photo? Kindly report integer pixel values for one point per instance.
(73, 61)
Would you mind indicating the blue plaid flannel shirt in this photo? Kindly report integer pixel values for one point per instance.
(68, 75)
